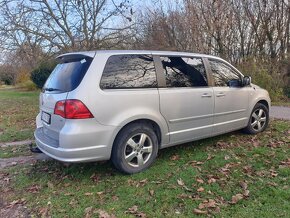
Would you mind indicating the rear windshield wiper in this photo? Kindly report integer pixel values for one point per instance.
(51, 89)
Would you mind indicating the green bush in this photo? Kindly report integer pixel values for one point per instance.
(7, 79)
(41, 73)
(27, 85)
(266, 75)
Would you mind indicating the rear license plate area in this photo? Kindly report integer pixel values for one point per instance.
(45, 117)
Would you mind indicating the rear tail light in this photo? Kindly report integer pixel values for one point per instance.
(72, 109)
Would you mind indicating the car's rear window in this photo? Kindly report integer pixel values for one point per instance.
(67, 75)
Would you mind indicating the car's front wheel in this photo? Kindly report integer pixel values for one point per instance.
(135, 148)
(259, 119)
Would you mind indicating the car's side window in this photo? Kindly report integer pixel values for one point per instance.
(129, 71)
(224, 75)
(184, 71)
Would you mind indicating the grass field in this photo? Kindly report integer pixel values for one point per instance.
(233, 175)
(17, 114)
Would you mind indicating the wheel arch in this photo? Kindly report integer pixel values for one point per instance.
(259, 99)
(155, 126)
(264, 102)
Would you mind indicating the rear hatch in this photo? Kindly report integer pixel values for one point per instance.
(66, 77)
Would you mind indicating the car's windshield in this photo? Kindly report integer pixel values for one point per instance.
(67, 75)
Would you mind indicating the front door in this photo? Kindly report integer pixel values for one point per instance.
(231, 98)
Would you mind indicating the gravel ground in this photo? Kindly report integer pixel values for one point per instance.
(280, 112)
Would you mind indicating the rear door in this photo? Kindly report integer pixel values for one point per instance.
(186, 100)
(66, 76)
(231, 98)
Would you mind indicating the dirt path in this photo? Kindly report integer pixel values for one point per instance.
(7, 144)
(7, 162)
(280, 112)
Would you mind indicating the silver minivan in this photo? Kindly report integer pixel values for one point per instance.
(126, 105)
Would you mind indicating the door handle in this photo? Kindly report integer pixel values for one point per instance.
(221, 94)
(206, 95)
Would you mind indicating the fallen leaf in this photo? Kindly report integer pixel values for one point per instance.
(273, 173)
(199, 180)
(225, 170)
(95, 178)
(19, 201)
(104, 214)
(217, 210)
(7, 180)
(177, 211)
(89, 194)
(174, 157)
(236, 198)
(207, 204)
(115, 198)
(244, 185)
(211, 180)
(227, 157)
(247, 169)
(151, 192)
(33, 189)
(88, 212)
(272, 184)
(157, 182)
(209, 192)
(68, 194)
(183, 196)
(187, 189)
(73, 202)
(200, 189)
(209, 157)
(180, 182)
(194, 163)
(197, 211)
(143, 182)
(134, 210)
(285, 163)
(246, 193)
(43, 212)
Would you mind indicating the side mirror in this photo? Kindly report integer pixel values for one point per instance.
(247, 80)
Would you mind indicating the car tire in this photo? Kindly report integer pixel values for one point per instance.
(259, 119)
(135, 148)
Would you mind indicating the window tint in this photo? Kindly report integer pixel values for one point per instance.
(224, 75)
(184, 71)
(129, 71)
(67, 76)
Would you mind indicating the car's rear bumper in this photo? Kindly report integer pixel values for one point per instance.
(73, 146)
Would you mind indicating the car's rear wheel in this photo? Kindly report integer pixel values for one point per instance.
(259, 119)
(135, 148)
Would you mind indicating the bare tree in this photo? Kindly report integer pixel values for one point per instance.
(63, 25)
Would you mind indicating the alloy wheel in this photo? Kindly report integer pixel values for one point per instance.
(138, 150)
(258, 119)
